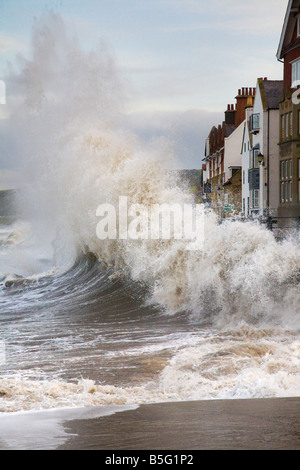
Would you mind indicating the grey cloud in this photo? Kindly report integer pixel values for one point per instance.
(187, 130)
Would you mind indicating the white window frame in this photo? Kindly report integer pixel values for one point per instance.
(254, 195)
(295, 70)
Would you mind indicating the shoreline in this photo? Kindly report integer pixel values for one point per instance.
(235, 424)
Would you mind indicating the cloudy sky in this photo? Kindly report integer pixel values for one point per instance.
(182, 60)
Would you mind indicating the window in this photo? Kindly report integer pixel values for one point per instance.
(295, 73)
(254, 122)
(244, 206)
(282, 126)
(254, 195)
(256, 198)
(298, 27)
(291, 124)
(287, 125)
(282, 170)
(282, 193)
(253, 158)
(286, 185)
(244, 178)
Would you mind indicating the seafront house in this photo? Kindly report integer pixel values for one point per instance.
(260, 188)
(289, 122)
(222, 175)
(246, 153)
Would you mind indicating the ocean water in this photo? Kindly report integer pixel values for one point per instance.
(86, 322)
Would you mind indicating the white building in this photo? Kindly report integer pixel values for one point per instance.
(245, 152)
(232, 145)
(261, 170)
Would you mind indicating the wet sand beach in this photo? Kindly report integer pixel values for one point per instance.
(260, 424)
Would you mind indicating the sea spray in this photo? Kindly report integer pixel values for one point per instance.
(74, 155)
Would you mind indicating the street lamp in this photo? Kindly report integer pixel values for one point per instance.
(260, 158)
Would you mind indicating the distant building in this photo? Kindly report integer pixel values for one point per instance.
(289, 122)
(222, 168)
(260, 152)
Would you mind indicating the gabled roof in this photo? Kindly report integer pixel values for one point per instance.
(271, 92)
(249, 135)
(229, 130)
(288, 26)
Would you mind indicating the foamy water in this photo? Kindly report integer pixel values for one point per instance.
(88, 322)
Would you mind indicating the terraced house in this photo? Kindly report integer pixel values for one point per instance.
(260, 153)
(222, 168)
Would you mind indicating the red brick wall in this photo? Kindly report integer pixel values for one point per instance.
(289, 57)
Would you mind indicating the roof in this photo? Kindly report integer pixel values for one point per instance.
(271, 93)
(229, 130)
(288, 26)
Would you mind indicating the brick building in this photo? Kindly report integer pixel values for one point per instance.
(222, 159)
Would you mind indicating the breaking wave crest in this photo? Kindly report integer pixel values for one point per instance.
(81, 157)
(75, 153)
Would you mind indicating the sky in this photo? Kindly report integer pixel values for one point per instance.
(183, 61)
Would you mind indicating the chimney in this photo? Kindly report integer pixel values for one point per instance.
(249, 102)
(242, 102)
(230, 115)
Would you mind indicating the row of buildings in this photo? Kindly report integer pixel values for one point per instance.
(251, 166)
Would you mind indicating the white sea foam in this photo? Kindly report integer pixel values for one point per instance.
(74, 156)
(241, 363)
(77, 157)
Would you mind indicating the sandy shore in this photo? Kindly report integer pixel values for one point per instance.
(260, 424)
(223, 424)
